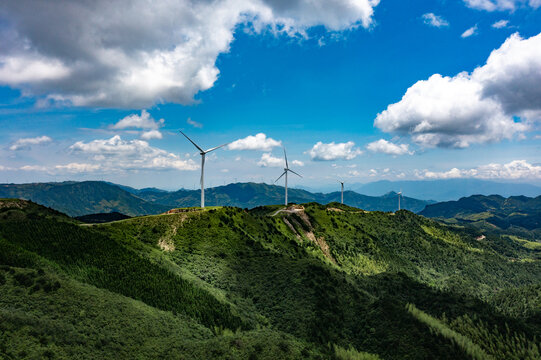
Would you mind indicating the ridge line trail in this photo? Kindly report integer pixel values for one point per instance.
(292, 211)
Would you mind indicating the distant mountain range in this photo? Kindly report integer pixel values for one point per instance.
(91, 197)
(82, 198)
(450, 189)
(520, 214)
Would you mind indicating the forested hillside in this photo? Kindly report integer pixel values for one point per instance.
(313, 281)
(515, 215)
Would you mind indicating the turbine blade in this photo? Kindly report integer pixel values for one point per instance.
(186, 136)
(280, 176)
(294, 172)
(285, 156)
(215, 148)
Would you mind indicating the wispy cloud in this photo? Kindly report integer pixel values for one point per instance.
(434, 20)
(194, 123)
(470, 32)
(26, 143)
(500, 24)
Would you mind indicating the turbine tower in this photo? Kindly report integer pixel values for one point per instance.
(286, 170)
(342, 194)
(399, 196)
(202, 153)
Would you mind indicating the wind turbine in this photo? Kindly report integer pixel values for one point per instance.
(342, 195)
(202, 153)
(399, 196)
(286, 170)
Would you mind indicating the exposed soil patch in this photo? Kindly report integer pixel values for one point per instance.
(12, 204)
(309, 234)
(181, 210)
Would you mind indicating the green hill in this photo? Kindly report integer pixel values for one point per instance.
(519, 215)
(82, 198)
(315, 281)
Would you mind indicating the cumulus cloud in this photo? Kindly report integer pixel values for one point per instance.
(115, 153)
(500, 24)
(297, 163)
(471, 31)
(26, 143)
(194, 123)
(386, 147)
(151, 134)
(332, 151)
(434, 20)
(143, 121)
(514, 170)
(104, 53)
(255, 142)
(267, 160)
(501, 5)
(475, 107)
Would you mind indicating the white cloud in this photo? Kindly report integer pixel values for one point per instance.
(255, 142)
(514, 170)
(267, 160)
(143, 121)
(26, 143)
(434, 20)
(33, 168)
(471, 31)
(151, 134)
(78, 167)
(500, 5)
(386, 147)
(106, 54)
(194, 123)
(115, 153)
(500, 24)
(473, 108)
(332, 151)
(297, 163)
(30, 68)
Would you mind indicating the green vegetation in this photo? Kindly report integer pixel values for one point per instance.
(319, 282)
(515, 216)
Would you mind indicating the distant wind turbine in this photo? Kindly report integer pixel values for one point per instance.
(399, 196)
(342, 195)
(286, 170)
(202, 153)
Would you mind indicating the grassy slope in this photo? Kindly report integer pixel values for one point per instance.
(254, 271)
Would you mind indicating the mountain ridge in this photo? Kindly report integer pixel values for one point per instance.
(90, 197)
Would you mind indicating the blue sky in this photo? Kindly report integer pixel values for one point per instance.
(315, 77)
